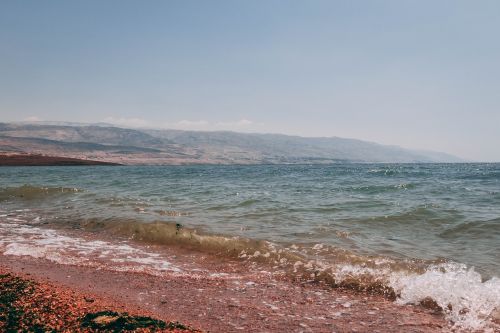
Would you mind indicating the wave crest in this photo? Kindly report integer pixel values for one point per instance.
(458, 291)
(30, 192)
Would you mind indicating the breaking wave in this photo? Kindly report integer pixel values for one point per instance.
(455, 289)
(458, 291)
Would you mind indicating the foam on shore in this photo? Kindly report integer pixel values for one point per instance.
(24, 240)
(465, 299)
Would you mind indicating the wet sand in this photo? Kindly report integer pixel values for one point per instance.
(36, 305)
(28, 305)
(234, 299)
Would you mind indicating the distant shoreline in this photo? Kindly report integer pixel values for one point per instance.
(43, 160)
(169, 147)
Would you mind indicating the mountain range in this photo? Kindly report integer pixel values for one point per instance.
(107, 143)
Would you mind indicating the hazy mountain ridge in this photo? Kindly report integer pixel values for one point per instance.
(148, 146)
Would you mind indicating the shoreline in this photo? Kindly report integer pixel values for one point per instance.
(219, 303)
(46, 160)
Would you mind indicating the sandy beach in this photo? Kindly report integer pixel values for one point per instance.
(36, 305)
(229, 301)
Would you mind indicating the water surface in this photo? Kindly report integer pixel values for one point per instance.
(422, 227)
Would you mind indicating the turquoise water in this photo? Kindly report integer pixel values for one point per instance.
(420, 211)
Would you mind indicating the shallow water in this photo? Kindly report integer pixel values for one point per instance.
(409, 226)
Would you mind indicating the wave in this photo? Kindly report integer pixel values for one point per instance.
(456, 290)
(325, 209)
(30, 192)
(482, 175)
(432, 214)
(385, 171)
(244, 203)
(168, 233)
(398, 172)
(25, 240)
(453, 288)
(375, 189)
(477, 229)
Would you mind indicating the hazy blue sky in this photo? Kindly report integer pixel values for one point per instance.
(419, 74)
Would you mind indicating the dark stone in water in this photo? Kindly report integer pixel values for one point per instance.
(116, 322)
(431, 304)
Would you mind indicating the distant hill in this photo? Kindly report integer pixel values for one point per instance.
(41, 160)
(133, 146)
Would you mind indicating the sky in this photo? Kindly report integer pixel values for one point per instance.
(418, 74)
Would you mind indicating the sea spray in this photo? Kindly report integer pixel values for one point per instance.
(459, 291)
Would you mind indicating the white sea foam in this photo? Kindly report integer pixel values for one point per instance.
(467, 301)
(24, 240)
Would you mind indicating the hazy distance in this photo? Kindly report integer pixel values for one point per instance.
(418, 74)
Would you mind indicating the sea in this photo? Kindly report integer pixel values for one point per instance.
(414, 232)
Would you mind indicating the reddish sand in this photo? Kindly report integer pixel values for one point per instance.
(43, 160)
(31, 305)
(251, 303)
